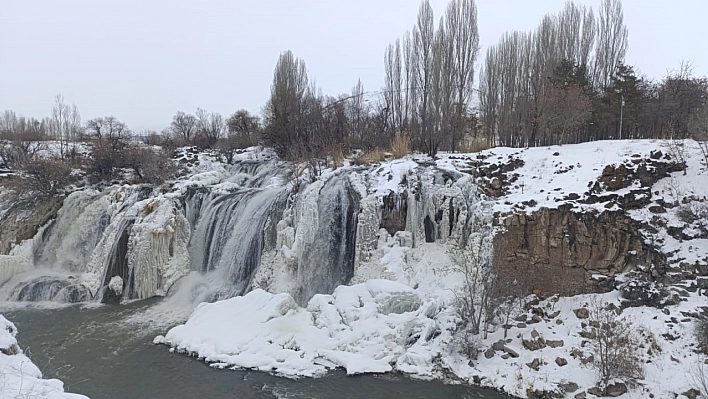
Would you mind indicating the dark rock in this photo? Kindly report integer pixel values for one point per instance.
(572, 197)
(566, 248)
(692, 393)
(580, 395)
(541, 394)
(489, 353)
(569, 387)
(582, 313)
(499, 345)
(534, 344)
(657, 209)
(616, 389)
(640, 293)
(521, 325)
(535, 364)
(561, 362)
(510, 352)
(554, 344)
(496, 184)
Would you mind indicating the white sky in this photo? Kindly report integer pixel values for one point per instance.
(144, 60)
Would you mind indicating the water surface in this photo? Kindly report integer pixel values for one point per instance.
(99, 352)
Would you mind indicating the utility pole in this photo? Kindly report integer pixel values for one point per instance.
(621, 116)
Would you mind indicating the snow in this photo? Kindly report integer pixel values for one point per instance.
(19, 377)
(364, 328)
(116, 285)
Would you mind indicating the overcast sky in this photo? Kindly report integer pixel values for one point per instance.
(143, 60)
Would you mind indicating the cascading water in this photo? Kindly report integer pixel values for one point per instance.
(134, 242)
(328, 261)
(228, 239)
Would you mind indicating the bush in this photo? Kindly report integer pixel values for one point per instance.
(150, 165)
(370, 157)
(615, 346)
(44, 177)
(692, 211)
(401, 145)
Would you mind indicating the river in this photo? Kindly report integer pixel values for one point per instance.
(104, 353)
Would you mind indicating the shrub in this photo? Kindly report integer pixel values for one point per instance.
(370, 157)
(401, 145)
(44, 177)
(476, 144)
(336, 157)
(692, 211)
(615, 345)
(150, 165)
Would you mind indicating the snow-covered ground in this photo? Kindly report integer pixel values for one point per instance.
(19, 377)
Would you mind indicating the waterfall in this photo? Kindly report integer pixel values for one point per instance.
(328, 259)
(233, 228)
(67, 243)
(228, 240)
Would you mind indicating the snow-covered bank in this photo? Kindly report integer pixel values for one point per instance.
(382, 326)
(372, 327)
(19, 377)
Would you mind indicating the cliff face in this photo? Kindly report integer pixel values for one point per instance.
(559, 251)
(24, 218)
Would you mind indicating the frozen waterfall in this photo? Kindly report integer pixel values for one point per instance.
(236, 227)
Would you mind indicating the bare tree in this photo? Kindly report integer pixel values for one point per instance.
(283, 113)
(563, 110)
(461, 23)
(61, 123)
(424, 40)
(210, 128)
(615, 345)
(699, 130)
(611, 42)
(108, 132)
(184, 125)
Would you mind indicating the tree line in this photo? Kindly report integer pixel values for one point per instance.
(564, 82)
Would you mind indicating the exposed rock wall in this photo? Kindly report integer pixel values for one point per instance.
(24, 218)
(559, 251)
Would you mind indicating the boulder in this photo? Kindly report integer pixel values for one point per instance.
(616, 389)
(489, 353)
(554, 344)
(569, 386)
(692, 393)
(510, 352)
(535, 364)
(582, 313)
(561, 361)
